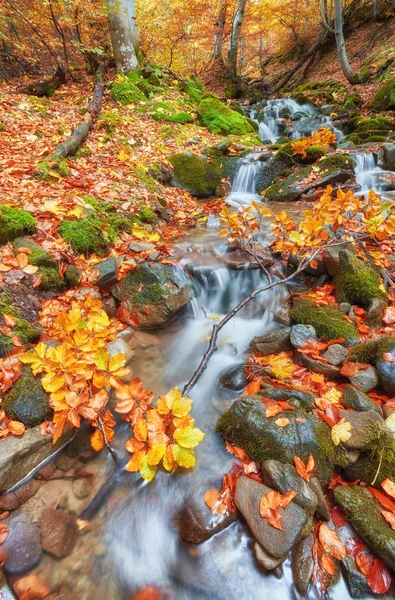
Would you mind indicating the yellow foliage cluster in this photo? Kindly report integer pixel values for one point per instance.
(163, 434)
(243, 226)
(324, 137)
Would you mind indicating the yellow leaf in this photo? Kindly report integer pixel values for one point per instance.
(122, 156)
(156, 454)
(117, 362)
(341, 432)
(174, 402)
(51, 383)
(101, 359)
(185, 457)
(188, 437)
(147, 471)
(141, 233)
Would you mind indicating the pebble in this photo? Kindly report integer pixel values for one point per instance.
(300, 334)
(58, 532)
(23, 547)
(335, 355)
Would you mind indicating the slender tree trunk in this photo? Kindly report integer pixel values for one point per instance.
(341, 46)
(324, 16)
(376, 9)
(235, 35)
(124, 34)
(219, 31)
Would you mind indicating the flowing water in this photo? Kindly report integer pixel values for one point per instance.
(137, 524)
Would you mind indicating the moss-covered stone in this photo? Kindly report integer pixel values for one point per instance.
(146, 214)
(357, 282)
(220, 119)
(25, 332)
(371, 351)
(84, 236)
(380, 123)
(6, 345)
(384, 98)
(285, 190)
(329, 322)
(125, 90)
(245, 425)
(26, 401)
(50, 279)
(38, 256)
(15, 222)
(195, 174)
(354, 138)
(6, 304)
(313, 153)
(337, 161)
(72, 276)
(364, 513)
(50, 169)
(376, 465)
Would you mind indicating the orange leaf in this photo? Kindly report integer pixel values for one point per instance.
(305, 472)
(328, 564)
(349, 369)
(252, 388)
(282, 422)
(389, 487)
(389, 517)
(383, 499)
(379, 578)
(331, 542)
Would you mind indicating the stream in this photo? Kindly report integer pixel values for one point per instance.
(136, 527)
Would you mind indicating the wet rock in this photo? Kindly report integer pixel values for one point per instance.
(239, 260)
(302, 563)
(356, 581)
(294, 397)
(267, 561)
(386, 374)
(335, 355)
(58, 532)
(284, 478)
(328, 109)
(298, 185)
(329, 371)
(154, 293)
(331, 256)
(195, 173)
(322, 507)
(273, 342)
(19, 455)
(23, 546)
(110, 307)
(119, 346)
(245, 425)
(300, 334)
(357, 400)
(387, 157)
(274, 541)
(28, 491)
(283, 315)
(108, 272)
(345, 307)
(141, 247)
(235, 379)
(375, 312)
(223, 189)
(364, 513)
(196, 523)
(9, 502)
(26, 401)
(363, 425)
(366, 379)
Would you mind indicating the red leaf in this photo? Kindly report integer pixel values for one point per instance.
(364, 562)
(383, 499)
(355, 547)
(124, 315)
(349, 369)
(379, 578)
(338, 516)
(389, 357)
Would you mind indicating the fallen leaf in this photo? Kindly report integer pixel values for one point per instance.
(341, 432)
(305, 471)
(331, 542)
(282, 422)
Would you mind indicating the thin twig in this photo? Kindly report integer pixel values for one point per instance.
(212, 346)
(259, 262)
(100, 426)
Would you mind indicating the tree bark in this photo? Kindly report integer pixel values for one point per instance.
(235, 36)
(219, 31)
(341, 46)
(124, 34)
(324, 17)
(376, 9)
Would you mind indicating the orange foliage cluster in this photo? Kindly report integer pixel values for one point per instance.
(324, 138)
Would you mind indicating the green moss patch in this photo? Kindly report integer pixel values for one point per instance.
(338, 162)
(195, 174)
(38, 257)
(329, 322)
(371, 351)
(384, 98)
(14, 223)
(377, 124)
(85, 236)
(220, 119)
(125, 89)
(357, 282)
(26, 401)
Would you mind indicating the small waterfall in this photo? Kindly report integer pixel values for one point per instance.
(366, 171)
(244, 185)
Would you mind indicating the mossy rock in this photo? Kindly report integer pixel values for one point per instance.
(371, 351)
(26, 332)
(84, 236)
(375, 138)
(146, 214)
(372, 468)
(384, 98)
(380, 123)
(38, 257)
(313, 153)
(285, 190)
(72, 276)
(220, 119)
(50, 279)
(357, 282)
(354, 138)
(26, 401)
(14, 223)
(329, 322)
(364, 513)
(6, 304)
(245, 425)
(337, 161)
(6, 345)
(195, 174)
(125, 91)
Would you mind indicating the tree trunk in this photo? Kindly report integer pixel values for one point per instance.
(376, 9)
(219, 31)
(124, 34)
(235, 36)
(341, 46)
(46, 87)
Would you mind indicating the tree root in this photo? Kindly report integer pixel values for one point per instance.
(46, 87)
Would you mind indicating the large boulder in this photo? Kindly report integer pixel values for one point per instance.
(364, 513)
(296, 398)
(14, 223)
(357, 282)
(245, 425)
(274, 541)
(196, 174)
(273, 342)
(154, 294)
(328, 321)
(26, 401)
(220, 119)
(384, 98)
(364, 427)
